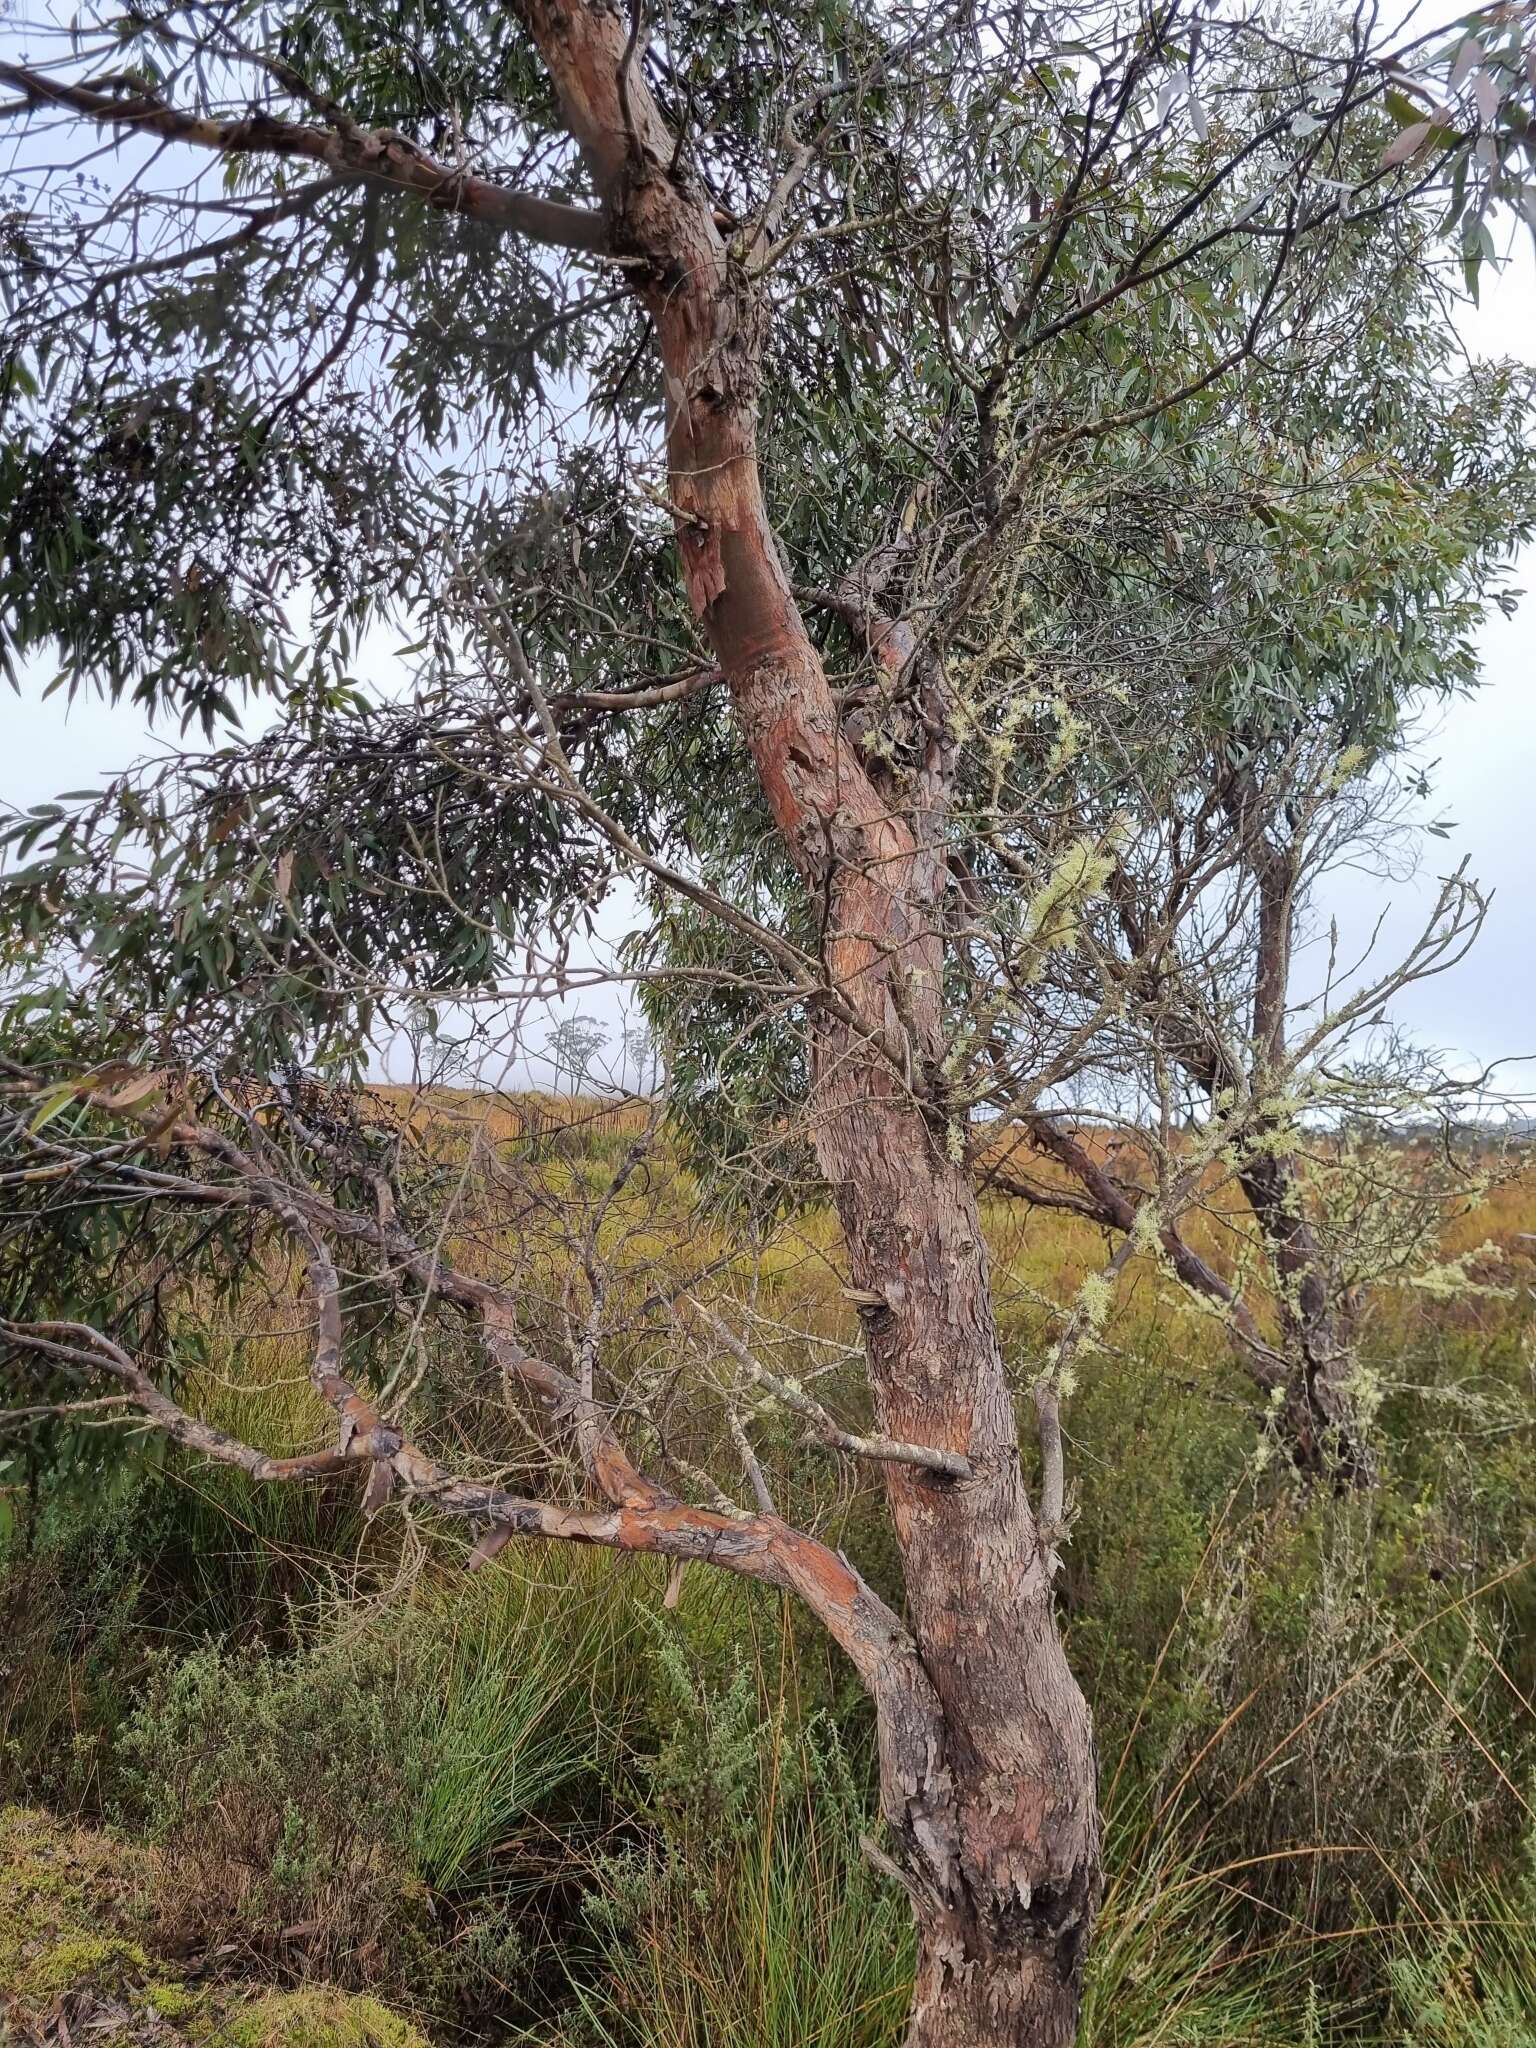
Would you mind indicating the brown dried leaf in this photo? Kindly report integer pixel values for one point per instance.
(1406, 143)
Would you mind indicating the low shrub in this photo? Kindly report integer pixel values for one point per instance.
(380, 1797)
(274, 1790)
(83, 1930)
(747, 1916)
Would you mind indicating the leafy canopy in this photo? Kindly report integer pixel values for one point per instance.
(1107, 347)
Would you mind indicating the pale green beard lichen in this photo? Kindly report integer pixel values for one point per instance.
(1095, 1298)
(1451, 1277)
(1146, 1228)
(1070, 731)
(1053, 918)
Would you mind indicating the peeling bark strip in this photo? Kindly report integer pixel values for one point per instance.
(992, 1801)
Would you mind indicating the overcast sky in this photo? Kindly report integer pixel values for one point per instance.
(1483, 757)
(1483, 753)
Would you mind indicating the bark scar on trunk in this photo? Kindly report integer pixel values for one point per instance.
(703, 566)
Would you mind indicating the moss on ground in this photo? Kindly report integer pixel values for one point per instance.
(95, 1962)
(76, 1951)
(71, 1907)
(317, 2017)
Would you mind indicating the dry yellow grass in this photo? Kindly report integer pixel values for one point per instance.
(657, 1241)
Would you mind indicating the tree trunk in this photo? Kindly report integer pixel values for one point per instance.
(1313, 1367)
(1323, 1427)
(1020, 1999)
(987, 1766)
(1320, 1418)
(1002, 1838)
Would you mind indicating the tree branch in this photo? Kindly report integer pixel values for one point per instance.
(757, 1547)
(882, 1449)
(1108, 1204)
(371, 156)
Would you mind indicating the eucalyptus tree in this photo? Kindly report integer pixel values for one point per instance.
(574, 1045)
(1214, 653)
(1311, 572)
(649, 366)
